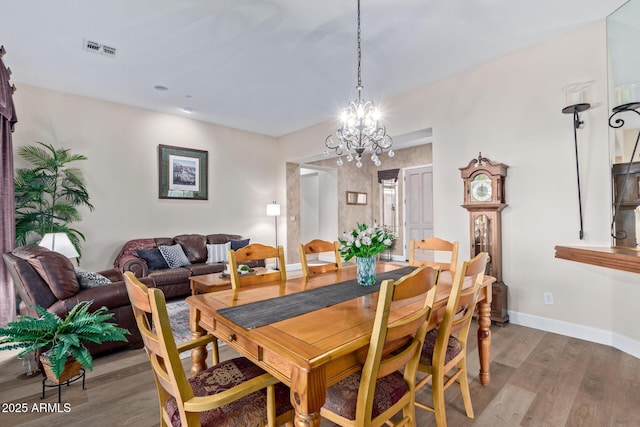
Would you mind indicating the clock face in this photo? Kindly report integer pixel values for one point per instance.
(481, 188)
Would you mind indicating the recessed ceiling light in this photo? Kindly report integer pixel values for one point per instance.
(187, 109)
(161, 88)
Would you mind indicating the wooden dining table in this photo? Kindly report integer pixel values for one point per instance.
(314, 350)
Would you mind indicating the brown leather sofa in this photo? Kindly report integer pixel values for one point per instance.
(48, 279)
(174, 282)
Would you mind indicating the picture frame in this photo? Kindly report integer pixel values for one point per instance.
(183, 173)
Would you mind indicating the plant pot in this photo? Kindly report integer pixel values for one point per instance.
(71, 369)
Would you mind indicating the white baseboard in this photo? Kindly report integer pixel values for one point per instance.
(587, 333)
(293, 267)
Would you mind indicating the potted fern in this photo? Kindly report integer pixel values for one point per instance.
(60, 341)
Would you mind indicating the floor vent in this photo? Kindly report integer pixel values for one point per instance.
(103, 49)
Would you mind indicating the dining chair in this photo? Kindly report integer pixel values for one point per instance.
(252, 252)
(380, 390)
(433, 246)
(234, 392)
(444, 354)
(317, 247)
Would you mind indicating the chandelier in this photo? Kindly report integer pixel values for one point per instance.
(361, 132)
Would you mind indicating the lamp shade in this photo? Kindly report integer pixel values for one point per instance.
(273, 209)
(59, 242)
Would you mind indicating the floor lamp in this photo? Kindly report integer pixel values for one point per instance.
(59, 242)
(273, 209)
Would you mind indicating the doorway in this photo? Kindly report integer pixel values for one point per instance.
(318, 204)
(418, 201)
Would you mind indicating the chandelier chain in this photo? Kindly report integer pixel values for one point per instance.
(361, 131)
(359, 55)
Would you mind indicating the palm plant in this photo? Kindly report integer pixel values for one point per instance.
(61, 338)
(48, 195)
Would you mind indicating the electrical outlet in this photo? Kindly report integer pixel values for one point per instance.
(548, 298)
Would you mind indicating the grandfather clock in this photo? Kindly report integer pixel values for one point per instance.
(484, 199)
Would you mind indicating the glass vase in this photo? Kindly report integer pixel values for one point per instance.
(366, 267)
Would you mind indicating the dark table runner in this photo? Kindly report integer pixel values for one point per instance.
(260, 313)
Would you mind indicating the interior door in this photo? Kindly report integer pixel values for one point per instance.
(418, 200)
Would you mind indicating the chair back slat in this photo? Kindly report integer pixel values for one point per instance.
(318, 246)
(253, 252)
(433, 245)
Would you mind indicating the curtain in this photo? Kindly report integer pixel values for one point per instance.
(388, 174)
(7, 222)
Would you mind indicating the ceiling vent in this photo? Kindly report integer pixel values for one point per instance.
(103, 49)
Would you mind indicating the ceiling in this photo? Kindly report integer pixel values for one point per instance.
(267, 66)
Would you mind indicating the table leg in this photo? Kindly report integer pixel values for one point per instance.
(484, 340)
(307, 396)
(198, 354)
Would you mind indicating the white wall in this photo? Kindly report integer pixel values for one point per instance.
(328, 188)
(309, 207)
(121, 144)
(510, 109)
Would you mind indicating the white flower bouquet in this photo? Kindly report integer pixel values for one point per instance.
(364, 241)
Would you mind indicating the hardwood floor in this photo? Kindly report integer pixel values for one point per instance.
(537, 379)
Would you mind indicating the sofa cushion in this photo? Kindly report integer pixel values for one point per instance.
(216, 239)
(58, 273)
(170, 276)
(163, 241)
(153, 258)
(194, 246)
(174, 255)
(218, 252)
(200, 269)
(89, 279)
(238, 244)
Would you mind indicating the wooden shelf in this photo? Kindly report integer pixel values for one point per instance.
(618, 258)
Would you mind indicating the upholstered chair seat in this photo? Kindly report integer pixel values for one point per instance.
(342, 398)
(453, 348)
(250, 410)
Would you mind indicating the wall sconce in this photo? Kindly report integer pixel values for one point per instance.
(577, 96)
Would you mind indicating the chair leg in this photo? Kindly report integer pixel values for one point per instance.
(464, 387)
(437, 390)
(409, 415)
(271, 406)
(215, 355)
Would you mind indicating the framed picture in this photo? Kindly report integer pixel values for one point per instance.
(356, 198)
(182, 173)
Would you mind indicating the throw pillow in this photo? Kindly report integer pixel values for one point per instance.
(237, 244)
(153, 258)
(88, 279)
(218, 252)
(57, 271)
(174, 256)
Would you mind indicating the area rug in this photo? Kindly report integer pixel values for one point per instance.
(179, 319)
